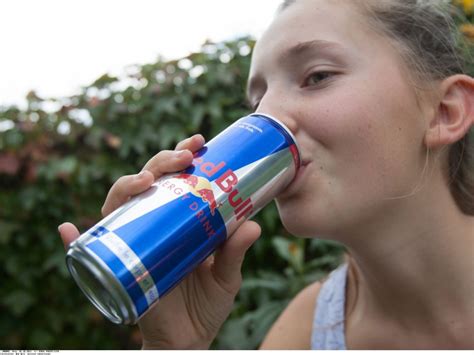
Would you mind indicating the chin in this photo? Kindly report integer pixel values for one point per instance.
(302, 217)
(295, 222)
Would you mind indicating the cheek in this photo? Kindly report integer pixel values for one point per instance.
(348, 129)
(369, 141)
(345, 111)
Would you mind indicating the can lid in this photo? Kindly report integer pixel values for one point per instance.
(100, 286)
(294, 147)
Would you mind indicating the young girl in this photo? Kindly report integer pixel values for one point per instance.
(375, 95)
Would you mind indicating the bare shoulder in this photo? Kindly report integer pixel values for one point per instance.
(292, 330)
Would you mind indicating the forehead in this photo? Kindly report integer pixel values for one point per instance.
(337, 21)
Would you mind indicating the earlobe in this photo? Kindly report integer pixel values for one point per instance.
(455, 113)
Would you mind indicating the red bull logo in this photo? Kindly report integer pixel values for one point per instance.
(200, 187)
(227, 182)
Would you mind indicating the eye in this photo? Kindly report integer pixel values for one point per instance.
(317, 77)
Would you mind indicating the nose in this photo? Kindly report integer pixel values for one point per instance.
(279, 109)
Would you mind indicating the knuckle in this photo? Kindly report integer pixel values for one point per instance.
(158, 159)
(119, 187)
(163, 154)
(121, 181)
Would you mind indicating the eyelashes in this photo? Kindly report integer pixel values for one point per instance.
(315, 80)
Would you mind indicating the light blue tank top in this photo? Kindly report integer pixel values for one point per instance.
(328, 324)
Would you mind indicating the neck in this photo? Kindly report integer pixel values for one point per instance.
(414, 272)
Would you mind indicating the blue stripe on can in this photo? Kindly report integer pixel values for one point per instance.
(99, 231)
(171, 240)
(123, 275)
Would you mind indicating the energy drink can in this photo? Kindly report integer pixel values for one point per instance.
(138, 253)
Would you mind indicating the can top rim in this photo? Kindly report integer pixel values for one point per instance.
(287, 130)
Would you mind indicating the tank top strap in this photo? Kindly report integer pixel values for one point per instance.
(328, 324)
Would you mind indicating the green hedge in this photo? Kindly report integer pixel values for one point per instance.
(59, 158)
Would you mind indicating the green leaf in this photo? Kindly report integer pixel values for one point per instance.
(197, 116)
(66, 165)
(57, 262)
(314, 276)
(103, 81)
(6, 231)
(18, 302)
(291, 251)
(41, 338)
(233, 336)
(326, 261)
(275, 285)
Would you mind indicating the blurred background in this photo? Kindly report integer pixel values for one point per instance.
(89, 91)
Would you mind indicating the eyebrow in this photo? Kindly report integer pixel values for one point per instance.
(297, 51)
(304, 47)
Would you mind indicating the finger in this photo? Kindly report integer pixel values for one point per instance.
(193, 143)
(124, 188)
(229, 257)
(169, 161)
(68, 233)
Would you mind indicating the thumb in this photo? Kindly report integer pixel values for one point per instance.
(229, 257)
(69, 233)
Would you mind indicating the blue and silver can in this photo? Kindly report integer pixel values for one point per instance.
(138, 253)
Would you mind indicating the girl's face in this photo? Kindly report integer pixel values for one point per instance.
(343, 90)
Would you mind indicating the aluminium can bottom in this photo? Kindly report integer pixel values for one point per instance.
(99, 284)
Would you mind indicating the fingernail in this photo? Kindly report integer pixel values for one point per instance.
(59, 227)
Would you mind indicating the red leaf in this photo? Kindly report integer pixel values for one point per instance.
(31, 172)
(94, 101)
(9, 164)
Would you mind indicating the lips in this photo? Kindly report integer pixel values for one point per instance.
(305, 161)
(297, 181)
(301, 171)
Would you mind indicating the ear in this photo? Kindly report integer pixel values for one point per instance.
(455, 113)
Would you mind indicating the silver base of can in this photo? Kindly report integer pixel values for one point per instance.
(101, 288)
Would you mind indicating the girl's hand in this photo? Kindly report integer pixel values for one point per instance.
(190, 316)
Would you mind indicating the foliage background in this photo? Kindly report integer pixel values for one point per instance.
(59, 157)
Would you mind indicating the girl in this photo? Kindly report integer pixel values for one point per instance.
(373, 90)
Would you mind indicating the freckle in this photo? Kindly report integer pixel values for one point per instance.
(321, 168)
(399, 129)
